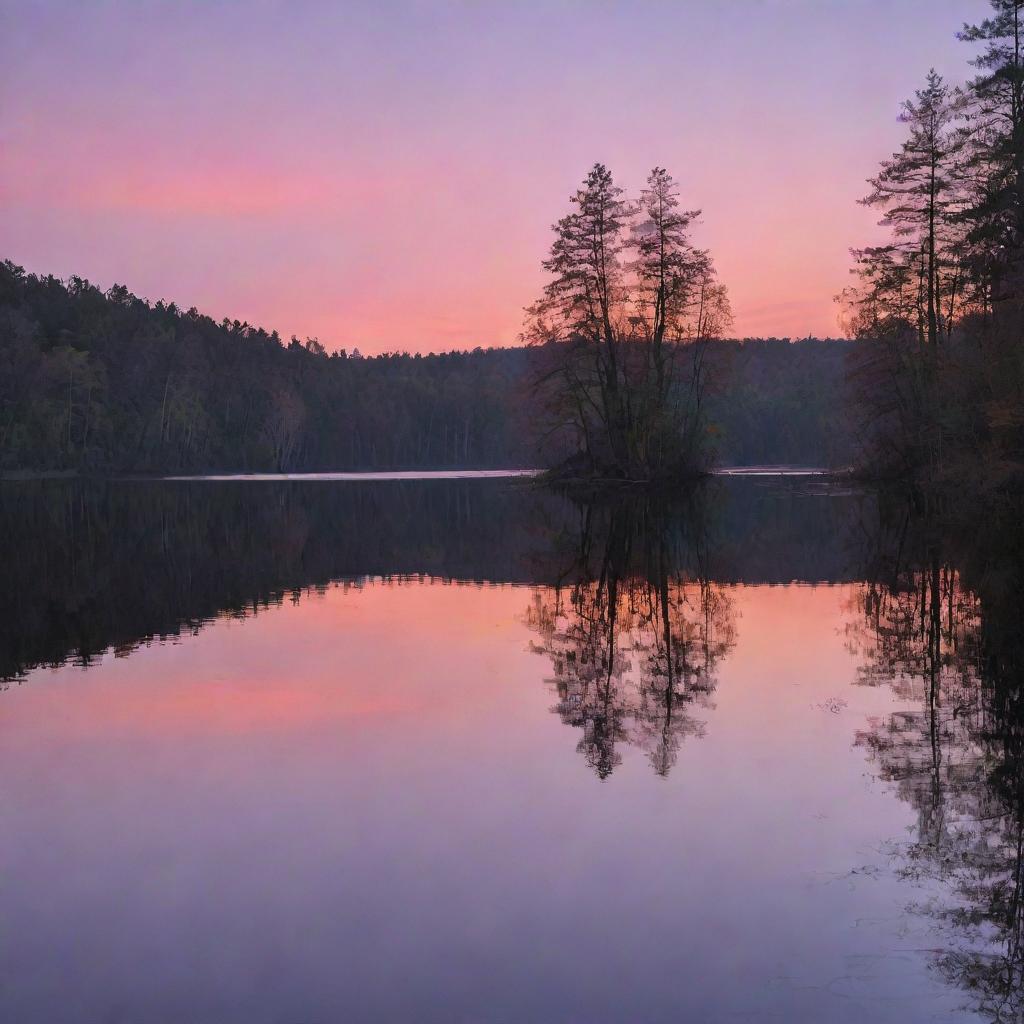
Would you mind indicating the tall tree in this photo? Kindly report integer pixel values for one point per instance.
(913, 291)
(615, 325)
(917, 190)
(583, 304)
(668, 274)
(994, 130)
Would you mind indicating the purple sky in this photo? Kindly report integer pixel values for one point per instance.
(384, 175)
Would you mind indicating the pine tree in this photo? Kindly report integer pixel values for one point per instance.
(584, 303)
(994, 133)
(680, 305)
(618, 326)
(917, 190)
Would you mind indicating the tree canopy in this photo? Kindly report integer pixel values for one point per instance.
(105, 382)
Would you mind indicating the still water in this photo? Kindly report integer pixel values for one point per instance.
(461, 750)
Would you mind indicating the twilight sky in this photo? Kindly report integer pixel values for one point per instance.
(385, 174)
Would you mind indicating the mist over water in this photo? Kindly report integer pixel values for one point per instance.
(471, 750)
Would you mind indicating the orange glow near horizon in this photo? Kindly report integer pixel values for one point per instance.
(388, 182)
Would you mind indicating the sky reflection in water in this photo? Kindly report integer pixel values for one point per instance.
(372, 801)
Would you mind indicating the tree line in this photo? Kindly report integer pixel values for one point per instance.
(939, 309)
(104, 381)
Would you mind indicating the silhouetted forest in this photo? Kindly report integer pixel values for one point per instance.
(938, 311)
(106, 382)
(938, 389)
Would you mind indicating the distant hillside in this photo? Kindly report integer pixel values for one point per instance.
(106, 382)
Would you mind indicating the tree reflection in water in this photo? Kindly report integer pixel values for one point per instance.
(634, 630)
(942, 624)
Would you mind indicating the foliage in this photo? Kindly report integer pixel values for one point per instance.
(939, 313)
(625, 321)
(105, 382)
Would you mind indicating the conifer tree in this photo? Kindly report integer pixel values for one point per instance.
(994, 135)
(917, 190)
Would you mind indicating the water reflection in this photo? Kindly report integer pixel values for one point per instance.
(941, 624)
(635, 630)
(350, 750)
(90, 566)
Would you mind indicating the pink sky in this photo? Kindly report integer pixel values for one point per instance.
(384, 175)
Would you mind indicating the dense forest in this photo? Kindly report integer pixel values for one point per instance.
(937, 389)
(625, 376)
(938, 311)
(103, 382)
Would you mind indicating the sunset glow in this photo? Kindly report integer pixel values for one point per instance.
(385, 176)
(512, 510)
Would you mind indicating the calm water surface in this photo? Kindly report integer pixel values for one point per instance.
(458, 750)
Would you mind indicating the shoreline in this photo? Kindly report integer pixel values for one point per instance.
(767, 472)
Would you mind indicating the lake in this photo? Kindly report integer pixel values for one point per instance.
(466, 750)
